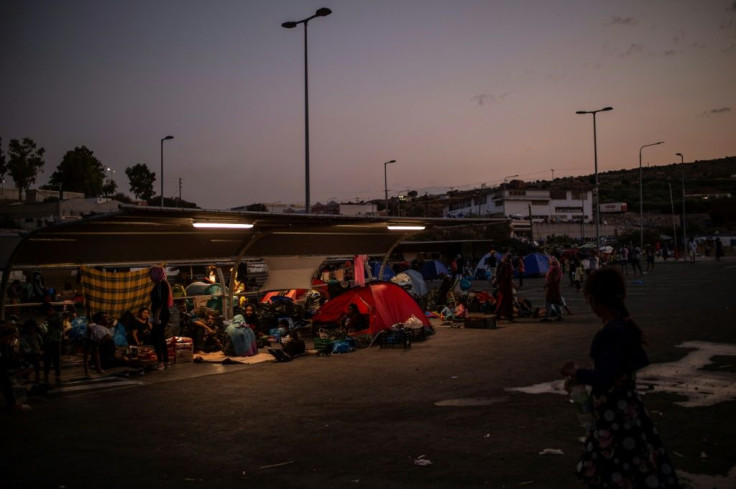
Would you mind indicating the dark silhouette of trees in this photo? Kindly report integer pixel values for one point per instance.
(141, 181)
(25, 160)
(80, 171)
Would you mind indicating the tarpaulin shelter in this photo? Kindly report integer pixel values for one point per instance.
(432, 269)
(536, 265)
(412, 281)
(297, 294)
(135, 236)
(383, 303)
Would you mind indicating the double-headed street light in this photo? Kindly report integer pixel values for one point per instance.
(641, 197)
(506, 179)
(385, 186)
(596, 197)
(684, 229)
(323, 12)
(162, 167)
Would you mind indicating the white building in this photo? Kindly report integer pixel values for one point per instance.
(519, 202)
(29, 216)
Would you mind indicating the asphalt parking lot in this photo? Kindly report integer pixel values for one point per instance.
(436, 415)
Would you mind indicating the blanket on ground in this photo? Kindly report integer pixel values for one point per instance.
(220, 357)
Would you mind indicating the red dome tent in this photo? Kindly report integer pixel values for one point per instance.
(384, 303)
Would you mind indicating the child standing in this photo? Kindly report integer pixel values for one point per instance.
(578, 278)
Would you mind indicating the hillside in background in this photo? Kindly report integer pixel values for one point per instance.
(707, 184)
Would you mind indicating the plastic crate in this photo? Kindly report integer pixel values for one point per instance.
(480, 321)
(418, 335)
(323, 345)
(400, 340)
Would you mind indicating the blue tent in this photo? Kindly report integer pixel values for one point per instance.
(536, 265)
(388, 274)
(482, 270)
(432, 269)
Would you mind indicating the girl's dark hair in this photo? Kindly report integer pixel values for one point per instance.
(607, 287)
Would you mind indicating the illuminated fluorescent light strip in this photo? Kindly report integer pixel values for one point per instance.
(404, 228)
(222, 225)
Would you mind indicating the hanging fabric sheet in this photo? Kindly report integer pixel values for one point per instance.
(115, 292)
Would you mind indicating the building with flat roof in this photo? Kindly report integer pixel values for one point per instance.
(517, 201)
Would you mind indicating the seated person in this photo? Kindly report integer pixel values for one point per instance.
(240, 341)
(454, 314)
(204, 333)
(139, 328)
(353, 320)
(291, 344)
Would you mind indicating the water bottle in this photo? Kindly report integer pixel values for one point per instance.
(580, 397)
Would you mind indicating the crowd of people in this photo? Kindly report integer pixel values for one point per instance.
(31, 349)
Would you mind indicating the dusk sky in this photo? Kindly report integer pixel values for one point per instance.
(461, 93)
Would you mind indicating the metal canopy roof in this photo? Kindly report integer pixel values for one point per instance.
(136, 235)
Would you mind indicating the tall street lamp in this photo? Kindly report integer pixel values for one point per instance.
(684, 229)
(385, 186)
(641, 197)
(323, 12)
(162, 167)
(596, 197)
(506, 179)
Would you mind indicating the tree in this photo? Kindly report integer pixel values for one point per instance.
(25, 160)
(109, 187)
(257, 207)
(79, 171)
(141, 181)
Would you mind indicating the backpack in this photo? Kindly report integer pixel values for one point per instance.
(79, 329)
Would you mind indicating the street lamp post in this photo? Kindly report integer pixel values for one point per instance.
(323, 12)
(595, 190)
(505, 179)
(684, 228)
(641, 197)
(385, 186)
(162, 167)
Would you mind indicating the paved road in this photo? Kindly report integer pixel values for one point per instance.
(363, 419)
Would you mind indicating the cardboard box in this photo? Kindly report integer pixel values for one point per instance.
(183, 356)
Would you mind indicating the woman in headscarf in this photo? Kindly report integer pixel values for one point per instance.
(505, 289)
(161, 300)
(241, 340)
(552, 291)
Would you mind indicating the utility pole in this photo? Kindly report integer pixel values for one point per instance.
(179, 191)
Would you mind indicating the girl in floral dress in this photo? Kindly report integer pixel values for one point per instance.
(623, 448)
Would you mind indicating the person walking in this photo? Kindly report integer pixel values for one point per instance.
(622, 447)
(692, 248)
(505, 293)
(650, 258)
(519, 268)
(719, 249)
(161, 300)
(552, 292)
(635, 260)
